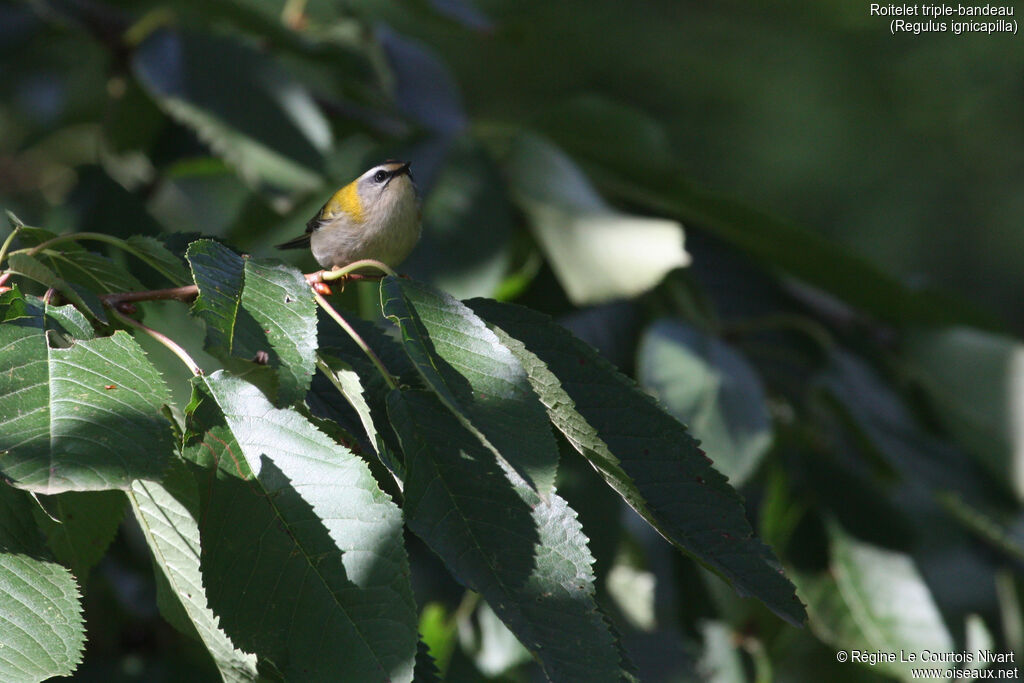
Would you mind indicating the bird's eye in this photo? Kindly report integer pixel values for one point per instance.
(380, 176)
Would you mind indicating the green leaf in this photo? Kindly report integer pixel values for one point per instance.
(882, 417)
(296, 534)
(426, 668)
(597, 253)
(168, 514)
(82, 418)
(721, 661)
(527, 557)
(253, 305)
(34, 269)
(712, 389)
(339, 352)
(79, 526)
(371, 413)
(157, 256)
(265, 124)
(476, 377)
(438, 633)
(874, 599)
(628, 171)
(69, 321)
(43, 631)
(86, 271)
(491, 645)
(645, 454)
(93, 272)
(975, 381)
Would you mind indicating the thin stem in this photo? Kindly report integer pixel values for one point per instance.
(392, 384)
(356, 265)
(163, 339)
(8, 241)
(74, 237)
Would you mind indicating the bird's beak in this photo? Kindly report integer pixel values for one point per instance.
(401, 170)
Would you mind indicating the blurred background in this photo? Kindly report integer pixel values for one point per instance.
(801, 233)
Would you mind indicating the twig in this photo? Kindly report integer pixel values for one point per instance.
(186, 294)
(163, 339)
(392, 384)
(189, 292)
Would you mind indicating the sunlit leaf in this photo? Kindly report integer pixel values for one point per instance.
(597, 253)
(466, 365)
(874, 600)
(255, 307)
(527, 557)
(168, 514)
(87, 417)
(302, 553)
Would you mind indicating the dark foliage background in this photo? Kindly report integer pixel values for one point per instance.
(844, 339)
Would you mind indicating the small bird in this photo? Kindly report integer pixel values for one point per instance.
(376, 216)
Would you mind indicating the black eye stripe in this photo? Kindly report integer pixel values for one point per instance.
(381, 176)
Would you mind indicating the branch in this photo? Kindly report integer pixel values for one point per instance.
(188, 293)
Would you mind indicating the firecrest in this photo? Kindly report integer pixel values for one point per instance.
(376, 216)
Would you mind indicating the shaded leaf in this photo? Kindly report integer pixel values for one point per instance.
(370, 410)
(450, 255)
(712, 389)
(43, 631)
(158, 257)
(426, 668)
(425, 90)
(168, 514)
(292, 517)
(79, 526)
(646, 455)
(476, 377)
(34, 269)
(975, 381)
(87, 417)
(266, 124)
(527, 557)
